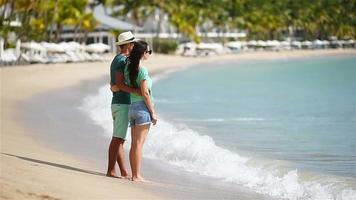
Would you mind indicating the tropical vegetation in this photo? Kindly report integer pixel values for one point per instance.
(45, 19)
(261, 19)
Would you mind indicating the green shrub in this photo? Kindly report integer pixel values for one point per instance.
(164, 46)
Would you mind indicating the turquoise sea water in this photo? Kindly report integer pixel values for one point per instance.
(302, 110)
(281, 128)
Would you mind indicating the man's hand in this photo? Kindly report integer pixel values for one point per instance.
(137, 91)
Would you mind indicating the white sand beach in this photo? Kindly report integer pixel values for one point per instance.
(31, 169)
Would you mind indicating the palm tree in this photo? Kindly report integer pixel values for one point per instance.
(184, 17)
(70, 12)
(87, 24)
(26, 10)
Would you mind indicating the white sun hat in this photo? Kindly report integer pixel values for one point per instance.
(125, 38)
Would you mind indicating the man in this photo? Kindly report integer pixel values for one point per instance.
(119, 105)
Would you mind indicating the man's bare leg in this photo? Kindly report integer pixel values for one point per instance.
(121, 159)
(113, 155)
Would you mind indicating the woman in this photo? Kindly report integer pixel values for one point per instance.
(141, 110)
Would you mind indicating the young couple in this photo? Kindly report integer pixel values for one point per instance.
(132, 103)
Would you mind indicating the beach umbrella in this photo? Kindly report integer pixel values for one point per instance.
(1, 47)
(53, 47)
(252, 43)
(297, 44)
(261, 43)
(33, 46)
(318, 43)
(342, 42)
(76, 45)
(18, 48)
(350, 42)
(336, 43)
(210, 46)
(189, 49)
(190, 45)
(326, 43)
(243, 43)
(237, 45)
(97, 47)
(67, 47)
(273, 43)
(234, 45)
(9, 55)
(37, 52)
(347, 43)
(285, 43)
(307, 44)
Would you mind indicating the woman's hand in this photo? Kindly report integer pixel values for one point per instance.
(114, 88)
(154, 118)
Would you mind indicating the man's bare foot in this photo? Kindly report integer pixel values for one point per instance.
(113, 175)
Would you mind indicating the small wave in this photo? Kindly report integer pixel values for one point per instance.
(242, 119)
(200, 120)
(199, 154)
(190, 101)
(248, 119)
(166, 101)
(99, 109)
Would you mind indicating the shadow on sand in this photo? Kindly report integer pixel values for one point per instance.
(56, 165)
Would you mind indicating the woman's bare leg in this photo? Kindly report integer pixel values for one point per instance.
(138, 136)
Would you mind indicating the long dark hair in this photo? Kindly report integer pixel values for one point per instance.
(134, 60)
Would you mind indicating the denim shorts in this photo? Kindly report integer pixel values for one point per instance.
(139, 114)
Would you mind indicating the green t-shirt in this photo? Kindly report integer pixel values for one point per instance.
(118, 65)
(142, 75)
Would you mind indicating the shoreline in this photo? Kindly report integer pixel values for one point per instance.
(32, 169)
(29, 158)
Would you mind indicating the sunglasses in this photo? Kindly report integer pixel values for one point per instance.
(149, 52)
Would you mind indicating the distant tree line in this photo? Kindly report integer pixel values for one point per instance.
(261, 19)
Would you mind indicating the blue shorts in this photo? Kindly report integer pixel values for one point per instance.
(139, 114)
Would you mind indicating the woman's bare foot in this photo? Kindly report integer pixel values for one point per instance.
(126, 177)
(140, 179)
(112, 175)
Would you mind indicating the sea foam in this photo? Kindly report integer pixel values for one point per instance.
(198, 153)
